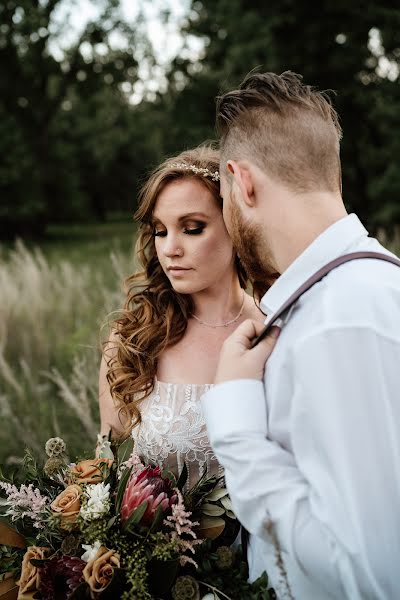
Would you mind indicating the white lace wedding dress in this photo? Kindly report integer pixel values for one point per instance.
(173, 431)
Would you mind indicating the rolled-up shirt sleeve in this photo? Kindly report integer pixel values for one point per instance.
(332, 502)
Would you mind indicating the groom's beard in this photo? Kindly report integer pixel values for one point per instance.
(252, 251)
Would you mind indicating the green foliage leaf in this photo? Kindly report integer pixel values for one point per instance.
(217, 494)
(121, 488)
(158, 519)
(136, 516)
(36, 562)
(182, 478)
(125, 450)
(213, 510)
(111, 521)
(10, 559)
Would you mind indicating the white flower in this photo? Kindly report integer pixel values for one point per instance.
(98, 492)
(91, 551)
(98, 501)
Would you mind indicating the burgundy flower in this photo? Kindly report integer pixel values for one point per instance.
(149, 486)
(61, 575)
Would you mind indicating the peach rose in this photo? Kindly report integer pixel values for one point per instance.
(99, 571)
(90, 471)
(67, 505)
(29, 581)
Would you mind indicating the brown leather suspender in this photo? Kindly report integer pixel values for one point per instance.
(317, 277)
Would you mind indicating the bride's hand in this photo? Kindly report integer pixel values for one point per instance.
(238, 360)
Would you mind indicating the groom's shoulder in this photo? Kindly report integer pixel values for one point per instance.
(364, 290)
(366, 273)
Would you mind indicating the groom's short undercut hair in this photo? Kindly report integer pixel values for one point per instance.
(288, 129)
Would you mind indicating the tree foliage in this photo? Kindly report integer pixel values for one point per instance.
(350, 47)
(64, 122)
(73, 146)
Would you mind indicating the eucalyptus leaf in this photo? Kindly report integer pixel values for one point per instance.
(227, 503)
(210, 522)
(217, 494)
(213, 510)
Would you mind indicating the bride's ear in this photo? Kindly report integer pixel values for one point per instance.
(242, 178)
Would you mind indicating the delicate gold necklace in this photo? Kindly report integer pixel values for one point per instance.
(227, 322)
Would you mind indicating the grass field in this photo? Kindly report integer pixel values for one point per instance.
(54, 299)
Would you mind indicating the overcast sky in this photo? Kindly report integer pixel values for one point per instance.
(164, 37)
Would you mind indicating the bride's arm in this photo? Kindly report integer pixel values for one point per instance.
(110, 418)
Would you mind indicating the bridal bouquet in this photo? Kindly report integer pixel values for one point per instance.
(111, 527)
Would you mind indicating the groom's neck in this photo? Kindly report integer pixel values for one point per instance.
(302, 218)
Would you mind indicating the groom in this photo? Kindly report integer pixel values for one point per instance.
(311, 445)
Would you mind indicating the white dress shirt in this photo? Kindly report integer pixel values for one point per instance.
(312, 454)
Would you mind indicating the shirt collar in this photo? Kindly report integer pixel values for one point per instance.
(330, 244)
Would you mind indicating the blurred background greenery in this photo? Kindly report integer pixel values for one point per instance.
(92, 95)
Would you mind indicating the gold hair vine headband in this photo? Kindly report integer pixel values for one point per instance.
(197, 170)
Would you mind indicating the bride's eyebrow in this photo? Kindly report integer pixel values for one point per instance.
(192, 215)
(155, 220)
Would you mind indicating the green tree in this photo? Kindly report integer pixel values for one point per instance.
(61, 114)
(352, 47)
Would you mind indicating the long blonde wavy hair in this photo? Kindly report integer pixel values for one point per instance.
(154, 316)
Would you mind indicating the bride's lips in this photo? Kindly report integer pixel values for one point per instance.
(175, 270)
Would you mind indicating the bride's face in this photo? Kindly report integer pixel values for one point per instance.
(191, 240)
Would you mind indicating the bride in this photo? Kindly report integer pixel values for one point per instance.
(186, 300)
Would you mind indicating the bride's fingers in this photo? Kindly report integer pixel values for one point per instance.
(264, 348)
(247, 331)
(238, 360)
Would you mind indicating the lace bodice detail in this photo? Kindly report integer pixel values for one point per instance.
(173, 431)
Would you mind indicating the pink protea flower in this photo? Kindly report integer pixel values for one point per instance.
(148, 486)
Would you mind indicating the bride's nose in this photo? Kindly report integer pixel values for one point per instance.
(172, 247)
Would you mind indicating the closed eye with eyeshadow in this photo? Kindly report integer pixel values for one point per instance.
(197, 230)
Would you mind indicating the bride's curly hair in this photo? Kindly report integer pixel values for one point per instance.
(155, 315)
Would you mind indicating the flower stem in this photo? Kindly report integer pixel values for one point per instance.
(216, 590)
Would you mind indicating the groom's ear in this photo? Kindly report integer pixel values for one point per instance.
(242, 177)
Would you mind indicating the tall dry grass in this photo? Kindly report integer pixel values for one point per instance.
(51, 314)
